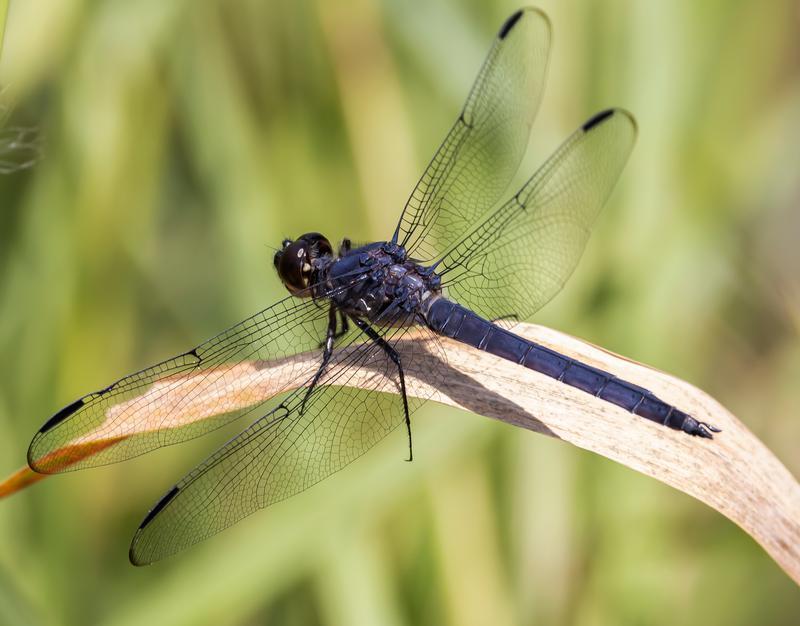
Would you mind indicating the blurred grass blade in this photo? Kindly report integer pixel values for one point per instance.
(3, 14)
(19, 146)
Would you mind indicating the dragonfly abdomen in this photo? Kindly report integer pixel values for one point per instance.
(452, 320)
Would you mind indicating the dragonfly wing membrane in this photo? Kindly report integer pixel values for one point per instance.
(515, 261)
(482, 151)
(285, 452)
(183, 397)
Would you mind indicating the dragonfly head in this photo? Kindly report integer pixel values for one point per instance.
(295, 261)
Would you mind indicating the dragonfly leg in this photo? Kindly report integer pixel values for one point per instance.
(395, 357)
(327, 351)
(343, 328)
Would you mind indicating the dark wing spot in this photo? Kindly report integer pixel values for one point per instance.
(509, 24)
(596, 119)
(159, 506)
(62, 415)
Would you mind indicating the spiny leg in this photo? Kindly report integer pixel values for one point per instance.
(395, 357)
(343, 329)
(327, 351)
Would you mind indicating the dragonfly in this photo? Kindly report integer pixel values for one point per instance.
(460, 264)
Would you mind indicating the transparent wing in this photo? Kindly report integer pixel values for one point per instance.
(287, 450)
(482, 151)
(514, 262)
(148, 409)
(20, 148)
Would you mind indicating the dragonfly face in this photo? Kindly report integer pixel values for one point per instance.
(456, 260)
(297, 261)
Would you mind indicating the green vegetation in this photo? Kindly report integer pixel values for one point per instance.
(3, 13)
(184, 138)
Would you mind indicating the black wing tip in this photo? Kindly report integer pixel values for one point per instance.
(32, 456)
(165, 499)
(509, 24)
(61, 415)
(602, 116)
(134, 556)
(515, 17)
(596, 119)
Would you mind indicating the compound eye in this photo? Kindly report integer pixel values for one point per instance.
(294, 266)
(318, 245)
(276, 260)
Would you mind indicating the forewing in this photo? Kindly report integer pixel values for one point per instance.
(148, 409)
(520, 257)
(288, 450)
(482, 151)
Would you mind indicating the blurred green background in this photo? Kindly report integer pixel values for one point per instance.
(181, 139)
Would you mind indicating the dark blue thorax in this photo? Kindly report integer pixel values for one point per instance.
(379, 283)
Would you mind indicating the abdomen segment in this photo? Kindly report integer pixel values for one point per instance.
(452, 320)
